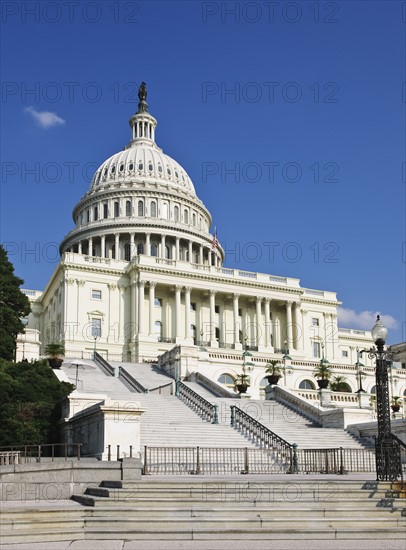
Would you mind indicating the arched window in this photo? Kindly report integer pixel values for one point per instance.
(164, 210)
(154, 249)
(226, 379)
(95, 213)
(116, 209)
(186, 216)
(128, 208)
(127, 252)
(176, 213)
(140, 248)
(217, 331)
(167, 252)
(105, 210)
(158, 330)
(153, 209)
(88, 215)
(140, 208)
(194, 220)
(373, 390)
(306, 385)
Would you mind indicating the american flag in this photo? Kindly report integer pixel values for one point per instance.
(215, 242)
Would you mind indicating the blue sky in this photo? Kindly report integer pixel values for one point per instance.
(288, 116)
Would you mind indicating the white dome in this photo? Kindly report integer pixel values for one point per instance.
(141, 163)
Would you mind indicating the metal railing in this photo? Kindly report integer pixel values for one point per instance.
(244, 460)
(283, 451)
(335, 461)
(108, 369)
(28, 453)
(208, 411)
(130, 381)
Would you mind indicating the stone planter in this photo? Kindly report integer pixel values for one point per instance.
(55, 362)
(273, 379)
(323, 384)
(242, 388)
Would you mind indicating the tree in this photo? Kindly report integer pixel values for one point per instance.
(30, 395)
(13, 305)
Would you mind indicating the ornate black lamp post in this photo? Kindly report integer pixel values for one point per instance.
(388, 464)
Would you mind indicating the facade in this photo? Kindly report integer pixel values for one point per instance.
(140, 274)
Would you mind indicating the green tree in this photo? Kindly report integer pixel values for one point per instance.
(13, 305)
(30, 395)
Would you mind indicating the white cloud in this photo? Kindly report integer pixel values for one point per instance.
(365, 320)
(45, 119)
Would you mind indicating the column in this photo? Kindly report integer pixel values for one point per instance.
(304, 313)
(236, 320)
(259, 326)
(267, 323)
(190, 252)
(117, 246)
(215, 259)
(134, 309)
(298, 344)
(201, 254)
(80, 247)
(289, 324)
(334, 332)
(132, 245)
(277, 333)
(152, 286)
(141, 287)
(90, 246)
(187, 312)
(212, 332)
(148, 244)
(177, 249)
(103, 246)
(209, 257)
(163, 246)
(177, 311)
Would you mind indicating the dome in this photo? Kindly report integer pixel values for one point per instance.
(141, 163)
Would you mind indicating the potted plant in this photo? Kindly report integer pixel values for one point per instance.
(339, 384)
(242, 382)
(396, 403)
(274, 372)
(323, 374)
(54, 352)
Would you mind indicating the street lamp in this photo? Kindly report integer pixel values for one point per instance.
(358, 366)
(387, 449)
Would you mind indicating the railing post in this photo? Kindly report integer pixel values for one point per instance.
(198, 469)
(341, 461)
(118, 452)
(39, 453)
(131, 451)
(293, 459)
(232, 421)
(79, 445)
(145, 461)
(216, 414)
(109, 452)
(246, 465)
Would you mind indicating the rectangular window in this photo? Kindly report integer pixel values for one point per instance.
(96, 327)
(216, 309)
(315, 322)
(239, 312)
(96, 295)
(105, 211)
(316, 349)
(192, 306)
(158, 302)
(345, 353)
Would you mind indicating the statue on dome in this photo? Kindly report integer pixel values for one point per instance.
(142, 92)
(142, 96)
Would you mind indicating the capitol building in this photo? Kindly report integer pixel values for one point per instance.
(143, 279)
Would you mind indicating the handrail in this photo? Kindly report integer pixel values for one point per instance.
(125, 376)
(222, 392)
(101, 361)
(37, 451)
(265, 437)
(298, 403)
(153, 390)
(209, 411)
